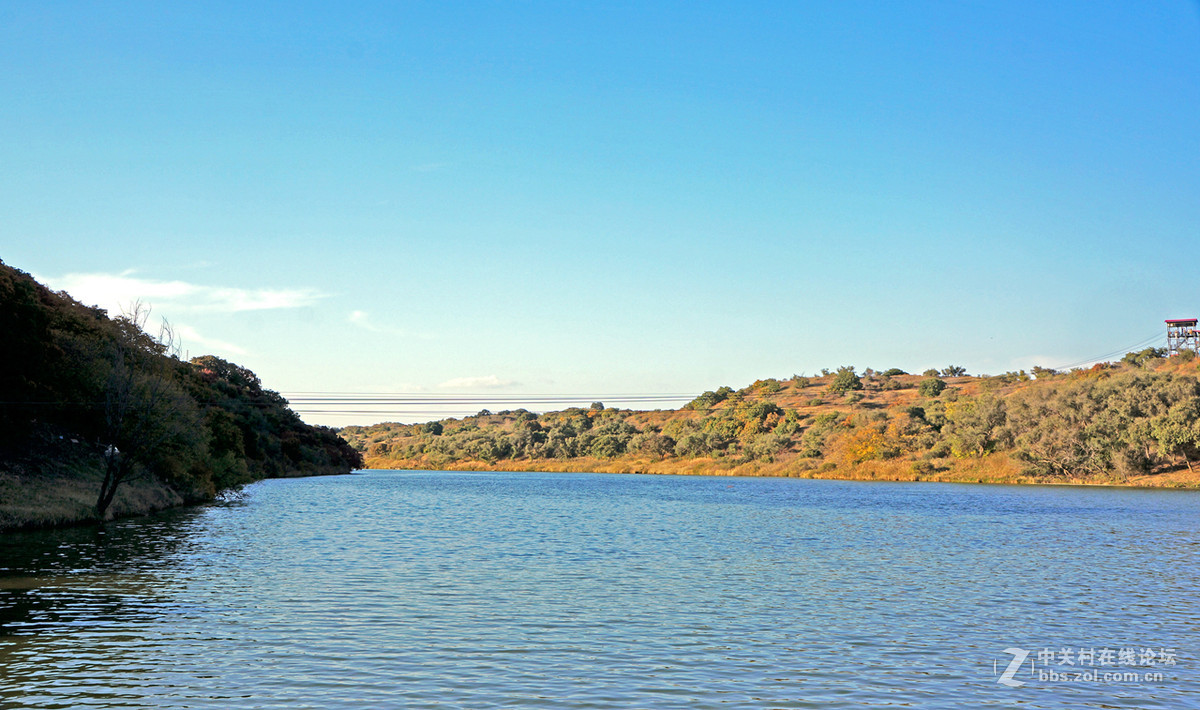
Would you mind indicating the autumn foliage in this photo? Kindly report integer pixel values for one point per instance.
(1113, 422)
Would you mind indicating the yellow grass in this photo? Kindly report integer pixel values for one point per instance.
(994, 469)
(69, 497)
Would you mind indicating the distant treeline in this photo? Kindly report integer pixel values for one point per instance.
(102, 398)
(1110, 422)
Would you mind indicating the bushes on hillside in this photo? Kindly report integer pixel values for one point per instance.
(69, 372)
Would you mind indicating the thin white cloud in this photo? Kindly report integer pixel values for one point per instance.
(487, 382)
(363, 320)
(188, 335)
(116, 291)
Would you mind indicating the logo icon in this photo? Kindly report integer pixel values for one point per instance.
(1007, 677)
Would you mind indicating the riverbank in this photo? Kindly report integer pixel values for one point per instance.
(994, 470)
(62, 493)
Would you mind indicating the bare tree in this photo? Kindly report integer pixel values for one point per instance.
(144, 407)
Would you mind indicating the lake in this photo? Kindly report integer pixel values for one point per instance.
(479, 590)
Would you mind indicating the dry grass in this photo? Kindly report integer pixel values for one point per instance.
(66, 495)
(841, 459)
(994, 469)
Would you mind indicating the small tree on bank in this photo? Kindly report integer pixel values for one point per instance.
(147, 415)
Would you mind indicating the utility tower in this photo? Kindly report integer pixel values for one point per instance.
(1182, 335)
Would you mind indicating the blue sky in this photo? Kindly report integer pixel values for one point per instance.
(602, 198)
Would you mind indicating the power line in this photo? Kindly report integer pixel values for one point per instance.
(433, 395)
(406, 405)
(1145, 342)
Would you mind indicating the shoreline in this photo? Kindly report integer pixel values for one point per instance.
(1003, 474)
(66, 498)
(60, 499)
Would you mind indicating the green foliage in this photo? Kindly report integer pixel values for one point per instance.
(767, 386)
(758, 411)
(812, 442)
(931, 387)
(887, 383)
(1123, 425)
(70, 372)
(654, 445)
(710, 399)
(893, 372)
(931, 372)
(953, 371)
(973, 425)
(611, 438)
(791, 423)
(1145, 357)
(1097, 423)
(845, 380)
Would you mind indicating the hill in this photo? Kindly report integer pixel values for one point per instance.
(1133, 422)
(98, 418)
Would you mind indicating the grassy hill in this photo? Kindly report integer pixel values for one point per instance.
(1133, 422)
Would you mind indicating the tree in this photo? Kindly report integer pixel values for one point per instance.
(1143, 358)
(148, 418)
(845, 380)
(954, 371)
(931, 387)
(973, 425)
(710, 399)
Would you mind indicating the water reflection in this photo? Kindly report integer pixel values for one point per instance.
(555, 590)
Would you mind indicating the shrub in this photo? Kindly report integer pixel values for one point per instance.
(931, 387)
(922, 468)
(710, 399)
(845, 380)
(767, 386)
(1142, 358)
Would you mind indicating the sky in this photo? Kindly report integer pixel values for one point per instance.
(521, 199)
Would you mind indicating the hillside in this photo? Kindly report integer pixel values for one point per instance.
(98, 418)
(1133, 422)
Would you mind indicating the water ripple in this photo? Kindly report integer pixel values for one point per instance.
(460, 590)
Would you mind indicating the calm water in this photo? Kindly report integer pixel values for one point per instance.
(479, 590)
